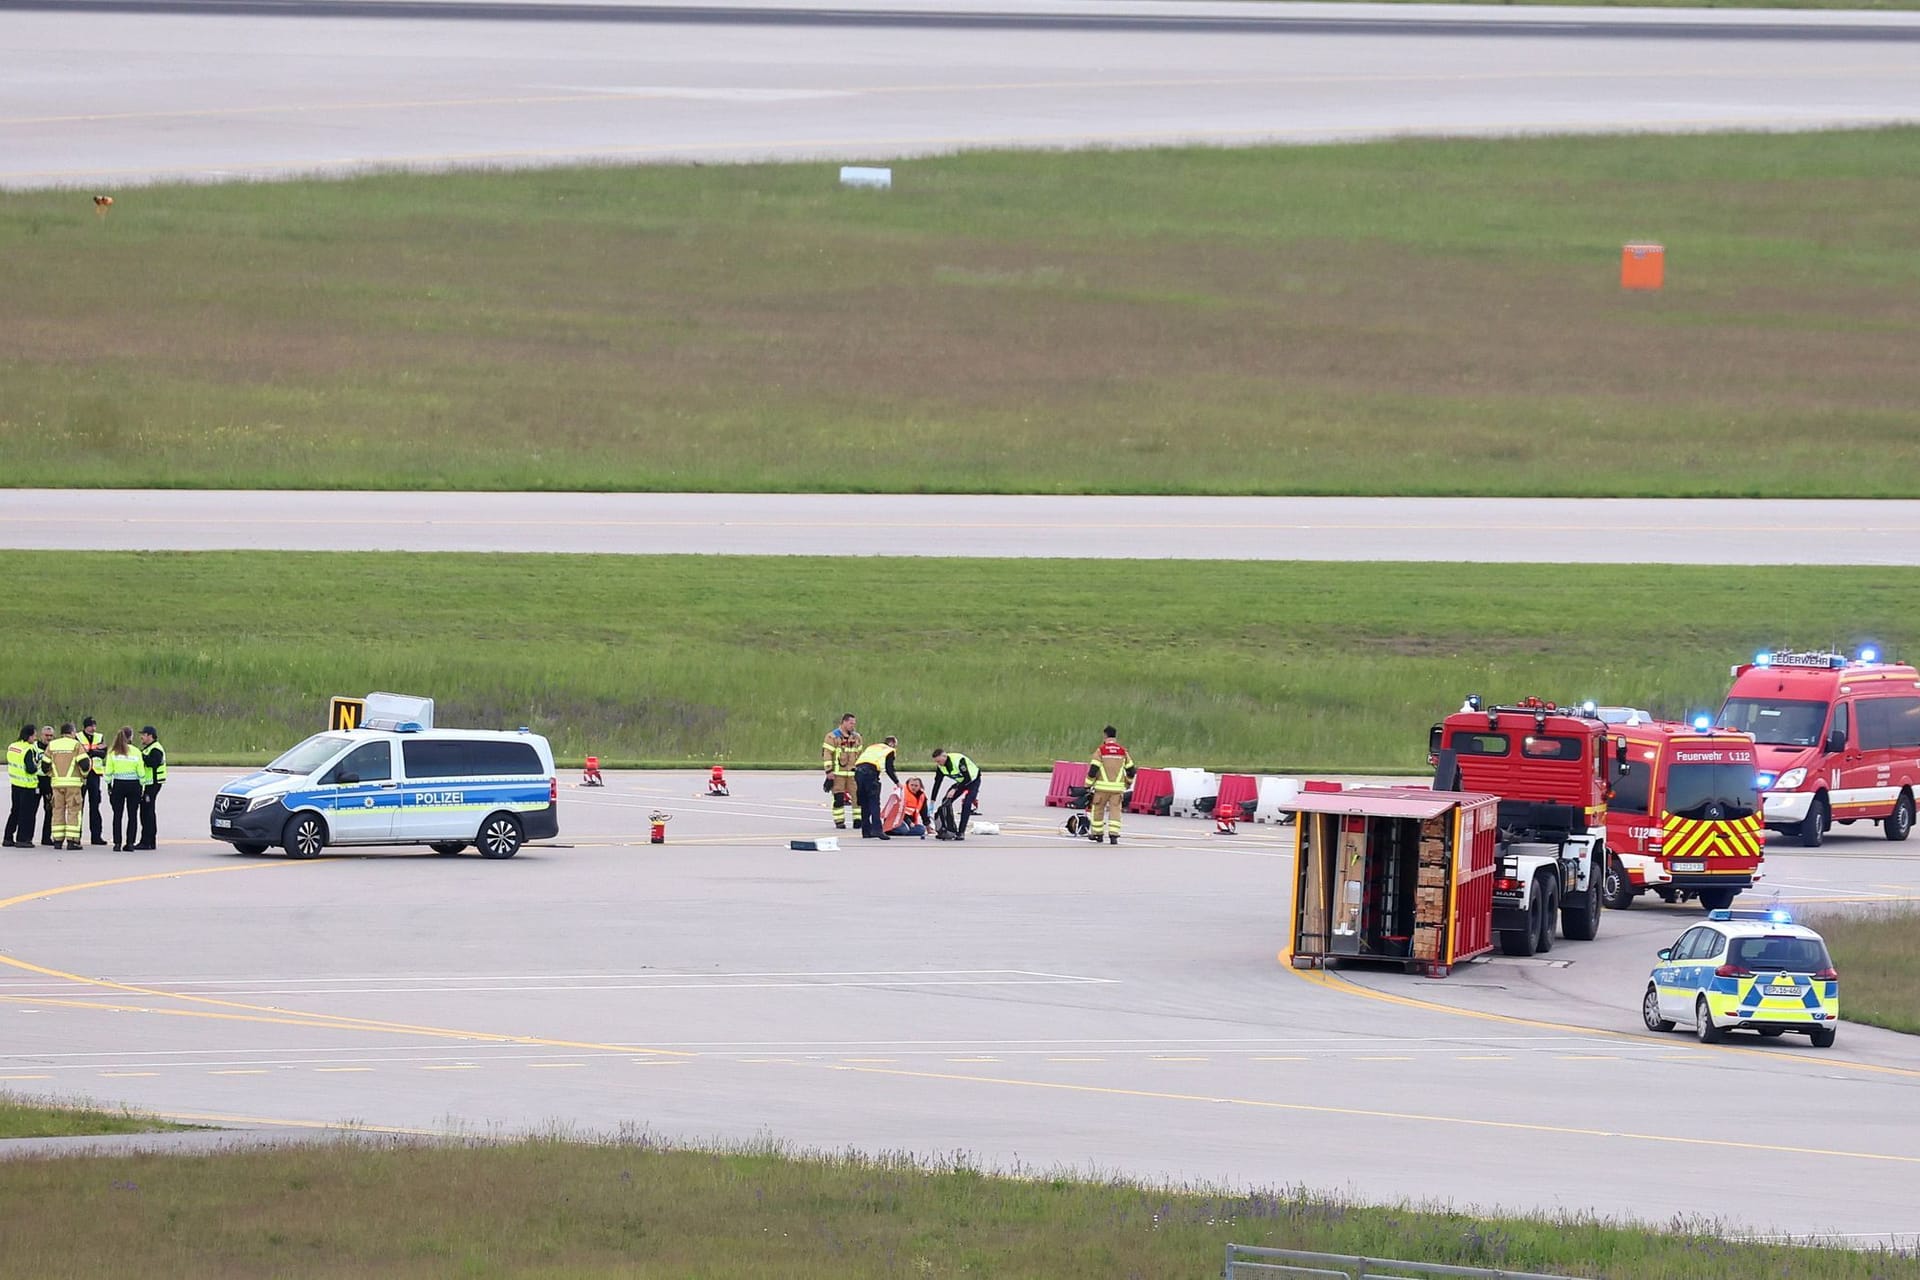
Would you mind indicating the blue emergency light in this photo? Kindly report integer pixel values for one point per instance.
(1703, 722)
(1763, 659)
(1869, 654)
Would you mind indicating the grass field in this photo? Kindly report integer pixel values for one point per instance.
(552, 1209)
(1878, 955)
(1401, 317)
(679, 659)
(26, 1118)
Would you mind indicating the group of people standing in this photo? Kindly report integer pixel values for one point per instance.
(61, 777)
(853, 767)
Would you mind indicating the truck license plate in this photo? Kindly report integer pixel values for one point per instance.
(1689, 866)
(223, 822)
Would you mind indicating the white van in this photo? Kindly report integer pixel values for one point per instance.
(444, 788)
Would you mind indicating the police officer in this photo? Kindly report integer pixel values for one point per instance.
(962, 777)
(866, 782)
(23, 784)
(44, 789)
(122, 765)
(837, 754)
(68, 765)
(1107, 775)
(97, 751)
(153, 775)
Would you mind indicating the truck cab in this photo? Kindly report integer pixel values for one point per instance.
(1551, 767)
(1684, 817)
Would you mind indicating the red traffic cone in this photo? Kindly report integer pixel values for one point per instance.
(590, 776)
(717, 781)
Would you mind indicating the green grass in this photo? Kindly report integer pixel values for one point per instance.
(26, 1118)
(554, 1209)
(1400, 317)
(1878, 955)
(682, 658)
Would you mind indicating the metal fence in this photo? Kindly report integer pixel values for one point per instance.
(1250, 1262)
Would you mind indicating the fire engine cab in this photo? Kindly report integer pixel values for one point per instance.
(1550, 768)
(1684, 817)
(1838, 739)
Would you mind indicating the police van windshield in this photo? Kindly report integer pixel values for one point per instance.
(310, 755)
(1781, 955)
(1775, 723)
(1712, 791)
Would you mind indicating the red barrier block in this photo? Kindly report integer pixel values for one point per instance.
(1150, 786)
(1067, 774)
(1239, 792)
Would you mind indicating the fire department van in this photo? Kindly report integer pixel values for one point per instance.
(1684, 817)
(1838, 739)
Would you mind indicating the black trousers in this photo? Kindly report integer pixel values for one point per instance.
(126, 800)
(866, 787)
(148, 828)
(46, 813)
(20, 815)
(91, 788)
(971, 792)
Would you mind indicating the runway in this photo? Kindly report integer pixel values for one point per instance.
(119, 92)
(1023, 997)
(1510, 530)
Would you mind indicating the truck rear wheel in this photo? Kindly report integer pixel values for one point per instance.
(1717, 899)
(1580, 921)
(1549, 908)
(1525, 941)
(1899, 823)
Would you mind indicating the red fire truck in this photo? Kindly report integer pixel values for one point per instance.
(1550, 768)
(1684, 817)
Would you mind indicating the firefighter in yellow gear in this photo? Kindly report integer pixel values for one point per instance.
(1107, 777)
(68, 766)
(837, 756)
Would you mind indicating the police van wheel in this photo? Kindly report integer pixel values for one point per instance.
(1899, 823)
(1650, 1011)
(1822, 1037)
(306, 837)
(1703, 1023)
(249, 848)
(447, 846)
(500, 836)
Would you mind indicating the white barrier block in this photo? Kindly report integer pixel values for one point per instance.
(822, 844)
(853, 175)
(1190, 786)
(1276, 799)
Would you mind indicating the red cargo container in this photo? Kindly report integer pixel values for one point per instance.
(1150, 787)
(1402, 875)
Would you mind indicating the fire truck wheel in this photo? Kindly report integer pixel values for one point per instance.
(1717, 899)
(1548, 916)
(1899, 823)
(1617, 890)
(1813, 828)
(1703, 1023)
(1580, 921)
(1650, 1011)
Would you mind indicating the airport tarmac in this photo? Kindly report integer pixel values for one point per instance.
(1025, 998)
(1545, 530)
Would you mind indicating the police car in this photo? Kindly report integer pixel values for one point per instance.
(1746, 969)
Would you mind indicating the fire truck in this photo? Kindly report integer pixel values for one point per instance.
(1684, 819)
(1550, 767)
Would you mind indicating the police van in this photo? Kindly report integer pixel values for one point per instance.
(396, 782)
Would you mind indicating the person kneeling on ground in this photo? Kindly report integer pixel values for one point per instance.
(913, 811)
